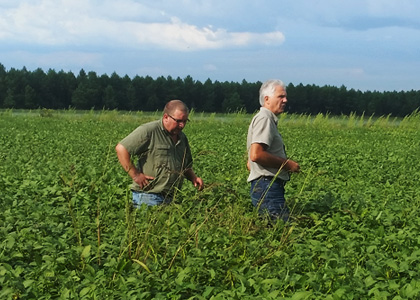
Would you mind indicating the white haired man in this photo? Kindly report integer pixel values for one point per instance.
(267, 160)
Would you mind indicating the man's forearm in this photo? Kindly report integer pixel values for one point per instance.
(125, 161)
(189, 174)
(268, 160)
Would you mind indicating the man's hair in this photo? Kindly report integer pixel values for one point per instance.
(268, 88)
(174, 105)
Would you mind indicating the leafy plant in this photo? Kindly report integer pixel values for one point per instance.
(68, 231)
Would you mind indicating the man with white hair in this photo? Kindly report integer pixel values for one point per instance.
(267, 160)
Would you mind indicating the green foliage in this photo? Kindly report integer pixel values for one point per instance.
(23, 89)
(68, 231)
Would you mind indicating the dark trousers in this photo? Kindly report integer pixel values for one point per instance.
(268, 196)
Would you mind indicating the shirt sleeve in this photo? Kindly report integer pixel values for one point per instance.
(136, 142)
(261, 132)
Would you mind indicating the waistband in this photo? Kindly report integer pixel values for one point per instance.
(270, 178)
(163, 195)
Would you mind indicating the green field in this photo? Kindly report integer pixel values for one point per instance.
(67, 230)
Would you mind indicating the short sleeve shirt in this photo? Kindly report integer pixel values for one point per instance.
(158, 156)
(263, 130)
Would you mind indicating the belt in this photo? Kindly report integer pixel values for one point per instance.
(270, 178)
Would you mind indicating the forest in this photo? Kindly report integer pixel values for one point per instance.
(24, 89)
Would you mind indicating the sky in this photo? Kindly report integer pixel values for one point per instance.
(367, 45)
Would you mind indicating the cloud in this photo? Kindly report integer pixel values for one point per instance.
(180, 36)
(364, 43)
(114, 24)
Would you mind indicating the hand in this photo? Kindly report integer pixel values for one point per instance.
(142, 180)
(292, 166)
(198, 183)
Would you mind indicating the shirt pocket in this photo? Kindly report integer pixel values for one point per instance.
(162, 156)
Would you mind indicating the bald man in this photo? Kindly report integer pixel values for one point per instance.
(163, 157)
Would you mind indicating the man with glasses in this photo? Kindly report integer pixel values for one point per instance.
(163, 157)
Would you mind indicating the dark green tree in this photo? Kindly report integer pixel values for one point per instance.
(3, 85)
(30, 97)
(139, 85)
(131, 96)
(16, 81)
(209, 104)
(10, 101)
(88, 93)
(249, 94)
(56, 90)
(109, 100)
(232, 103)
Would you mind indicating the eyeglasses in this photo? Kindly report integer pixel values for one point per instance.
(178, 120)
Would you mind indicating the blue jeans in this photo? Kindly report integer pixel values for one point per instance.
(140, 198)
(268, 196)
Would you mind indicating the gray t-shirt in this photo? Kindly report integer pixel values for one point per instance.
(263, 130)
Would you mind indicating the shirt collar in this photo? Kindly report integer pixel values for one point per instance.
(269, 114)
(161, 124)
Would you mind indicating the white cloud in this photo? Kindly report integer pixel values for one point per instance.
(115, 24)
(362, 44)
(185, 37)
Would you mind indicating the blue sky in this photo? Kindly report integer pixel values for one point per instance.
(362, 44)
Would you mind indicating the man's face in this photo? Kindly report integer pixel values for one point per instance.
(277, 102)
(175, 122)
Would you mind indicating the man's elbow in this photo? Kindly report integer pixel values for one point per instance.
(256, 152)
(253, 157)
(120, 148)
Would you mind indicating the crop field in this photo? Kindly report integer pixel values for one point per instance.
(67, 230)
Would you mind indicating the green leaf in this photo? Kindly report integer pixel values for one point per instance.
(301, 295)
(207, 292)
(27, 283)
(86, 251)
(142, 264)
(84, 291)
(10, 241)
(369, 281)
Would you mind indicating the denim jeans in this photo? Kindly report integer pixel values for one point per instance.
(140, 198)
(268, 196)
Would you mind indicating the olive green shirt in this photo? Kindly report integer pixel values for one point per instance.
(158, 156)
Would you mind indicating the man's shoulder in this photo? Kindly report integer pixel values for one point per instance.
(149, 127)
(144, 131)
(261, 117)
(152, 124)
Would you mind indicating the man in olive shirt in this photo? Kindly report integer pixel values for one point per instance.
(164, 157)
(267, 158)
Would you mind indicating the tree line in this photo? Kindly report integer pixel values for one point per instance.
(23, 89)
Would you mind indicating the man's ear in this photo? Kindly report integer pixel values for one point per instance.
(265, 102)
